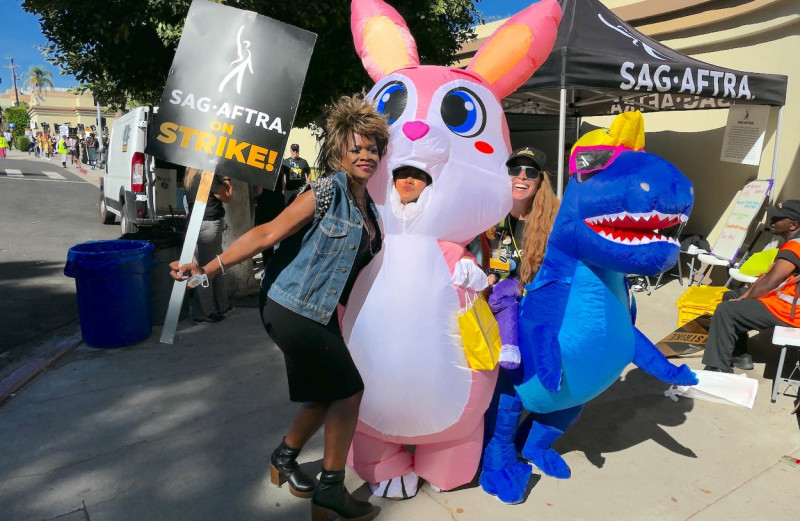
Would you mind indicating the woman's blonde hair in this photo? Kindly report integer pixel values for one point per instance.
(348, 116)
(538, 223)
(188, 178)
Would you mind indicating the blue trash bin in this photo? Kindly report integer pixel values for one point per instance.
(112, 279)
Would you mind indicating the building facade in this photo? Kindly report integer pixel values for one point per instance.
(57, 107)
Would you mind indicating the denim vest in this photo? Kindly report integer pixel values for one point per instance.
(312, 281)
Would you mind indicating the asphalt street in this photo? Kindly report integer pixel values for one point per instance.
(45, 209)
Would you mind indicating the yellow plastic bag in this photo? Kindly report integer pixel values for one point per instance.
(480, 334)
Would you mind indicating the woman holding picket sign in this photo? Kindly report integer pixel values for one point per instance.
(327, 235)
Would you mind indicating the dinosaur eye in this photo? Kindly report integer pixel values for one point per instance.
(391, 100)
(463, 112)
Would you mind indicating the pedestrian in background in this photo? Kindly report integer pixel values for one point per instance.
(91, 149)
(63, 150)
(294, 173)
(210, 303)
(3, 146)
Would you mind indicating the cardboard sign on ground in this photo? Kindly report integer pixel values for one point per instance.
(688, 339)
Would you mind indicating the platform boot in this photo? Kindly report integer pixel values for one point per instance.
(285, 468)
(331, 496)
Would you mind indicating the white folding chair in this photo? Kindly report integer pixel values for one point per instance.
(786, 337)
(678, 232)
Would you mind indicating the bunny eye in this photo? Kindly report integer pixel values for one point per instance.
(391, 100)
(463, 112)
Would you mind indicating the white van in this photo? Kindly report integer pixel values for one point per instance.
(140, 189)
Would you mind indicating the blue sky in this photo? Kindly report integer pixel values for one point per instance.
(20, 35)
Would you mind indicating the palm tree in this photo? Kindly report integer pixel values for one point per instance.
(37, 79)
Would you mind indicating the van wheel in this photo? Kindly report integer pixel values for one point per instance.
(106, 217)
(127, 226)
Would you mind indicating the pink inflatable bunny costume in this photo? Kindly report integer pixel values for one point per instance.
(401, 319)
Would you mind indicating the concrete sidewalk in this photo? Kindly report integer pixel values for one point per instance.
(184, 432)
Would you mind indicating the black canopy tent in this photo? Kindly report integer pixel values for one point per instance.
(600, 65)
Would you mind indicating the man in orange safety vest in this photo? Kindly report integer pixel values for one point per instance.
(770, 301)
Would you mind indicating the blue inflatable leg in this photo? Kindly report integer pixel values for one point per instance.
(544, 431)
(503, 475)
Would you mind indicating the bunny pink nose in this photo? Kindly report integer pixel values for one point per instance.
(415, 129)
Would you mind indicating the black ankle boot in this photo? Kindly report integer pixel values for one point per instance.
(331, 496)
(285, 468)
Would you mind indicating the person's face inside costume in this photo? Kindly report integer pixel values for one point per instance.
(525, 179)
(360, 158)
(782, 225)
(409, 183)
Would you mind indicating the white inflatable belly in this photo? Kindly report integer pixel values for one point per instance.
(405, 341)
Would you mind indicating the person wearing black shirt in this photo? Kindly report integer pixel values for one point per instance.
(294, 172)
(209, 304)
(518, 242)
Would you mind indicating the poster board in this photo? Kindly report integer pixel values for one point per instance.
(744, 211)
(744, 134)
(227, 108)
(232, 93)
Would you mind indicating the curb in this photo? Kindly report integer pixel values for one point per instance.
(35, 365)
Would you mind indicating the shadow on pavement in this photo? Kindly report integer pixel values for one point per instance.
(40, 299)
(630, 412)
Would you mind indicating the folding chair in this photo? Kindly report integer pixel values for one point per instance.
(678, 232)
(737, 275)
(728, 245)
(785, 337)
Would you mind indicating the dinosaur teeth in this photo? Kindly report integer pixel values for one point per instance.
(628, 236)
(653, 220)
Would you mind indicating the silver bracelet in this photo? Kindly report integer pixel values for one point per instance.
(221, 266)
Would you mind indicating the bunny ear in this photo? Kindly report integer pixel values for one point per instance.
(382, 38)
(518, 47)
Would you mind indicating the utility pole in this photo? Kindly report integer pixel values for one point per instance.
(14, 77)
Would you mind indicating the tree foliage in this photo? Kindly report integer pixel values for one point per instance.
(19, 117)
(123, 50)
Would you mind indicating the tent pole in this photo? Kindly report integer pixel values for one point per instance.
(773, 192)
(562, 131)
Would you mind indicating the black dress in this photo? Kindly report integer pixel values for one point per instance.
(318, 364)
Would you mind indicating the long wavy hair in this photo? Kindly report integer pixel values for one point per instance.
(348, 116)
(188, 178)
(538, 224)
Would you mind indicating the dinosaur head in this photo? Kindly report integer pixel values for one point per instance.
(612, 216)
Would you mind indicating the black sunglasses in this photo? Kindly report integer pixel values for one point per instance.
(515, 171)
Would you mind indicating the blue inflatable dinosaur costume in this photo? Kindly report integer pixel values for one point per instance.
(576, 321)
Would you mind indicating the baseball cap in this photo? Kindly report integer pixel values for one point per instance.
(295, 147)
(537, 156)
(789, 208)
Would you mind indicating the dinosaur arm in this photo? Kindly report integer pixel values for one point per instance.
(539, 324)
(650, 360)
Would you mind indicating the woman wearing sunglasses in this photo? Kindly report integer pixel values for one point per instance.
(518, 242)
